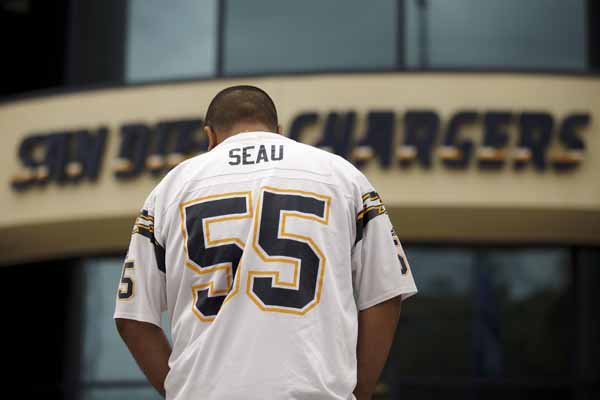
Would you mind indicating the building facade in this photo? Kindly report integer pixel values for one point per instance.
(478, 127)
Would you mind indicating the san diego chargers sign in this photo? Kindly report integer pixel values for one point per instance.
(413, 138)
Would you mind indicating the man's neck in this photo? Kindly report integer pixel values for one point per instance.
(243, 128)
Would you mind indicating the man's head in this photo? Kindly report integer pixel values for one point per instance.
(239, 109)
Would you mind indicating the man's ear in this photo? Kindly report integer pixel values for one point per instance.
(212, 137)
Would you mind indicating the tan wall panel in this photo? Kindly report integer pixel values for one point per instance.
(417, 197)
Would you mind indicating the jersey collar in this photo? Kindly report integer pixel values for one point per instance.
(252, 136)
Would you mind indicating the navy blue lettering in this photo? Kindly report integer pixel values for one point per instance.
(496, 137)
(568, 131)
(568, 137)
(337, 133)
(262, 154)
(420, 133)
(465, 147)
(378, 138)
(535, 131)
(274, 156)
(234, 157)
(246, 155)
(135, 140)
(301, 122)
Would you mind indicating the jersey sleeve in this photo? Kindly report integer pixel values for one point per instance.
(141, 293)
(380, 269)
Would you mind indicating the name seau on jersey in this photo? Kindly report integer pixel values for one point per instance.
(251, 262)
(255, 154)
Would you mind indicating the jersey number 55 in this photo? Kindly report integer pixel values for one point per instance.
(271, 241)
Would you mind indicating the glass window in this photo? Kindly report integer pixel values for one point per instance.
(539, 34)
(483, 312)
(105, 360)
(530, 290)
(588, 323)
(434, 330)
(171, 41)
(121, 394)
(105, 356)
(282, 36)
(496, 321)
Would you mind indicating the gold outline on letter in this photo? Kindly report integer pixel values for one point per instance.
(287, 260)
(209, 242)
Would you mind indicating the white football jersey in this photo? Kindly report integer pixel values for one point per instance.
(263, 251)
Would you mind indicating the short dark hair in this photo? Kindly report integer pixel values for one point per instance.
(241, 103)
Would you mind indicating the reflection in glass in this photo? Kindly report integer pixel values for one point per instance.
(433, 336)
(104, 356)
(493, 313)
(538, 34)
(121, 394)
(281, 36)
(170, 41)
(531, 290)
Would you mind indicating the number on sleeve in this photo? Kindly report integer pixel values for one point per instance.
(126, 286)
